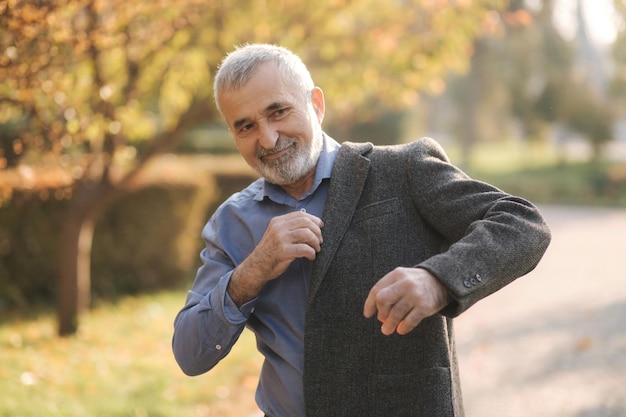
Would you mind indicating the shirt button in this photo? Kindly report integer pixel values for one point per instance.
(303, 210)
(218, 347)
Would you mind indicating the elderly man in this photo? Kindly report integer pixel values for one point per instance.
(348, 262)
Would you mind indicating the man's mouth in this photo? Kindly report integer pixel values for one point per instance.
(274, 155)
(277, 152)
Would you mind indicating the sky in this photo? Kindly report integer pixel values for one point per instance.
(599, 15)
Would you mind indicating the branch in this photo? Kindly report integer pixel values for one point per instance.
(166, 141)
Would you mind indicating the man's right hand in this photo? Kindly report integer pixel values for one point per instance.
(287, 237)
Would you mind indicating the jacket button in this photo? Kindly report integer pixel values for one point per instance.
(467, 283)
(479, 278)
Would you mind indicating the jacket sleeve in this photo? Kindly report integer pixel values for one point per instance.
(494, 237)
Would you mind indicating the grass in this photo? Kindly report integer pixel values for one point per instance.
(541, 174)
(577, 184)
(120, 364)
(506, 156)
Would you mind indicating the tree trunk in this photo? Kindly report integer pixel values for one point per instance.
(74, 286)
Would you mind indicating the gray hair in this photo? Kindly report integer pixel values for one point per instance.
(239, 66)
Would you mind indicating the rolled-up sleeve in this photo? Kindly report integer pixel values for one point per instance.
(210, 322)
(207, 327)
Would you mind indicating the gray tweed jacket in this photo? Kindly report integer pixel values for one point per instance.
(396, 206)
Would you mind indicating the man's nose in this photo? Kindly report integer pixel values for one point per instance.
(268, 136)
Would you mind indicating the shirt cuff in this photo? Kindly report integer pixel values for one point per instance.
(232, 313)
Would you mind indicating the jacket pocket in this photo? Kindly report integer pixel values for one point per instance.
(424, 394)
(380, 208)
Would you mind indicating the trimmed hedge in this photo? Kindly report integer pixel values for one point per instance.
(29, 231)
(148, 239)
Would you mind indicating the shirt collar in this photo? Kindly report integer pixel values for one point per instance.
(323, 171)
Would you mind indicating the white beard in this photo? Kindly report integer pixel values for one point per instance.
(292, 167)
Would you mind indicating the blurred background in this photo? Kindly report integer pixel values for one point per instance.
(113, 156)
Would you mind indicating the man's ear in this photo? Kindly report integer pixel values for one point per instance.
(317, 98)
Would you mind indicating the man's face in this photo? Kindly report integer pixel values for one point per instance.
(276, 128)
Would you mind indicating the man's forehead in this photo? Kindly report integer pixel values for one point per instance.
(258, 98)
(263, 113)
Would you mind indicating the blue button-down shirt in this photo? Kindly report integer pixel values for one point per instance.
(210, 323)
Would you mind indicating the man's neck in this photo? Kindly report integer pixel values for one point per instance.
(299, 188)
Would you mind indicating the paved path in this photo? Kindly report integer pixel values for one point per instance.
(553, 344)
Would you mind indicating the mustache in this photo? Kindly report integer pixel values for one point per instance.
(281, 144)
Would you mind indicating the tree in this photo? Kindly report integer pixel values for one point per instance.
(529, 74)
(495, 89)
(100, 87)
(540, 63)
(527, 66)
(87, 79)
(618, 83)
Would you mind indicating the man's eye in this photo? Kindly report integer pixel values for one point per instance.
(246, 128)
(280, 112)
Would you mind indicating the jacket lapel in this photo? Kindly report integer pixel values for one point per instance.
(346, 186)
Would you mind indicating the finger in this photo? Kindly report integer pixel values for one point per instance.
(308, 237)
(380, 298)
(410, 322)
(369, 308)
(307, 222)
(300, 215)
(394, 315)
(315, 224)
(297, 219)
(318, 222)
(402, 318)
(305, 251)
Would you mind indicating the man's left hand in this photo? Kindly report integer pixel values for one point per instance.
(403, 298)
